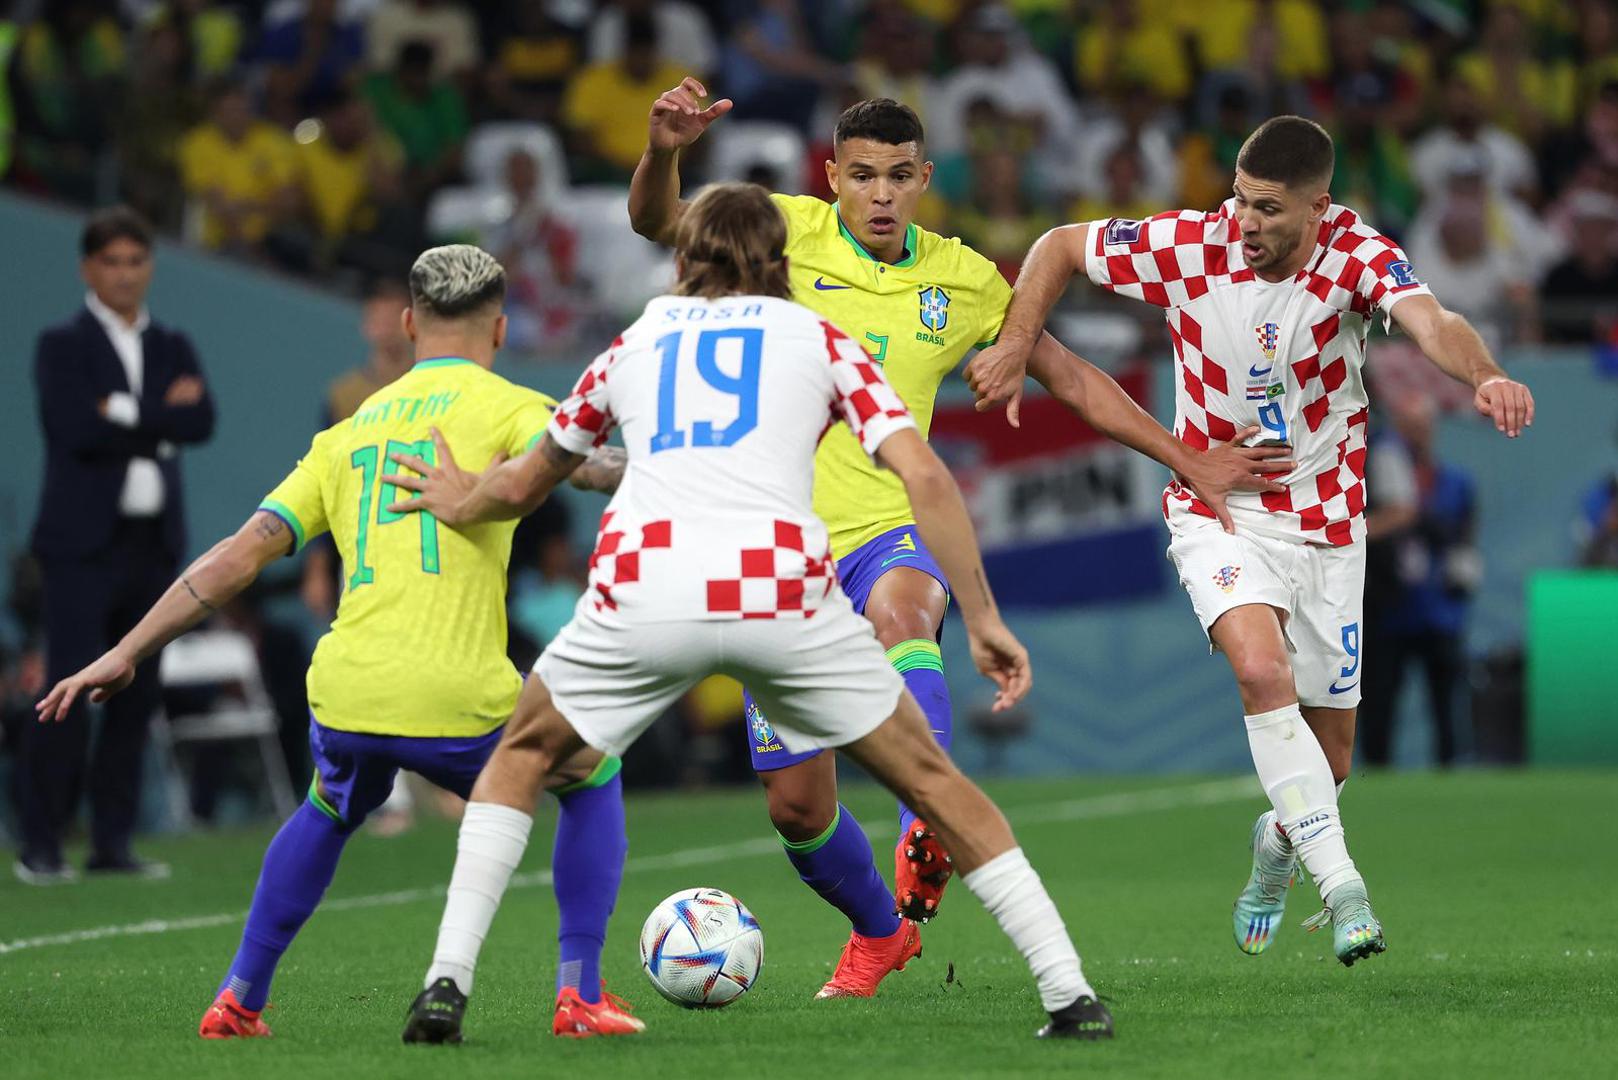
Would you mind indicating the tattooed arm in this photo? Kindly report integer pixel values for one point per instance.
(206, 586)
(944, 524)
(503, 491)
(602, 471)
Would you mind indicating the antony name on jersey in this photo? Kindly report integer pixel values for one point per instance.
(1286, 356)
(917, 318)
(418, 647)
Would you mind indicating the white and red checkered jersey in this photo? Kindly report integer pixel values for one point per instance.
(1285, 355)
(721, 404)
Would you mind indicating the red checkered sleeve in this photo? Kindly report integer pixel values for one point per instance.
(861, 396)
(1167, 260)
(1386, 276)
(583, 421)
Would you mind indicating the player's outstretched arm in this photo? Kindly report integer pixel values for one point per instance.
(996, 374)
(502, 492)
(1097, 399)
(207, 585)
(1450, 342)
(678, 119)
(947, 528)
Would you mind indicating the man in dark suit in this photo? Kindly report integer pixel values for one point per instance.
(118, 393)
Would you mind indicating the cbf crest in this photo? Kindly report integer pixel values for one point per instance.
(764, 739)
(934, 308)
(1269, 336)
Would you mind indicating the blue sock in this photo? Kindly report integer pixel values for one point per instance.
(922, 666)
(298, 865)
(587, 866)
(838, 865)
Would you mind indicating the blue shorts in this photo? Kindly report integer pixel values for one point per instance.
(858, 571)
(356, 771)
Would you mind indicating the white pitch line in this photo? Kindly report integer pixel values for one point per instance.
(1119, 804)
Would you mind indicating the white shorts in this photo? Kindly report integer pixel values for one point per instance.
(1320, 589)
(823, 681)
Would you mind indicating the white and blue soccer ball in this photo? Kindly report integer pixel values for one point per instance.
(702, 948)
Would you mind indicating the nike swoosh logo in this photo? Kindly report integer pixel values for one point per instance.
(820, 283)
(896, 558)
(1335, 689)
(1257, 374)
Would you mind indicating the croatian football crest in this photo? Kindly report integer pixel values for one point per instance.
(763, 731)
(934, 308)
(1226, 577)
(1269, 336)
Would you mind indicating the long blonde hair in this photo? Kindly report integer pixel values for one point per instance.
(732, 242)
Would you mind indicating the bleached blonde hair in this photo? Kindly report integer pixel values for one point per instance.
(456, 280)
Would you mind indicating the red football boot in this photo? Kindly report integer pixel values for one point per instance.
(578, 1019)
(921, 869)
(867, 960)
(226, 1019)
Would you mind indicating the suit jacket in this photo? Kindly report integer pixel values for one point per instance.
(87, 455)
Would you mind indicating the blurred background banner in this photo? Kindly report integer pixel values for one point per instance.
(1065, 515)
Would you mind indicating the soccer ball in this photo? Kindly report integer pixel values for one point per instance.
(701, 948)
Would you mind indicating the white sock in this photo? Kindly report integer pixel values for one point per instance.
(1017, 899)
(1294, 771)
(491, 844)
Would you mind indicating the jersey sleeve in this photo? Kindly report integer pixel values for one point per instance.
(1385, 276)
(861, 395)
(1164, 260)
(996, 298)
(529, 421)
(584, 420)
(299, 500)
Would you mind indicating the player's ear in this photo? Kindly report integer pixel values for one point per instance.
(500, 331)
(831, 174)
(1319, 205)
(407, 319)
(926, 174)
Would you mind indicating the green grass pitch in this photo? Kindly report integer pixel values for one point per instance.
(1497, 891)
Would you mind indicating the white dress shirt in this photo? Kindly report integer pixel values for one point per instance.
(142, 495)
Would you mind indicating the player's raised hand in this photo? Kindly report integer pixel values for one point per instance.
(1508, 403)
(996, 377)
(1000, 656)
(104, 678)
(1230, 466)
(679, 118)
(441, 487)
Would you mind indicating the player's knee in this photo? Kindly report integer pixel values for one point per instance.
(902, 620)
(1262, 676)
(800, 814)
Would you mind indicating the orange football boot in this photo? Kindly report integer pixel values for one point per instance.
(921, 869)
(226, 1019)
(867, 960)
(578, 1019)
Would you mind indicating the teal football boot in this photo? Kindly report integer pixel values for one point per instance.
(1262, 903)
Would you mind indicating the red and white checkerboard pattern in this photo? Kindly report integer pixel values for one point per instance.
(617, 557)
(1189, 263)
(782, 581)
(584, 420)
(863, 399)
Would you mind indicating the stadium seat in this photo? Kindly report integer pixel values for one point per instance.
(624, 269)
(463, 214)
(490, 144)
(743, 144)
(223, 658)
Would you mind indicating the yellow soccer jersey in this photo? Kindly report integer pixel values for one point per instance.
(918, 317)
(419, 644)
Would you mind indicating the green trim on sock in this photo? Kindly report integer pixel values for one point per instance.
(916, 653)
(607, 768)
(806, 846)
(321, 804)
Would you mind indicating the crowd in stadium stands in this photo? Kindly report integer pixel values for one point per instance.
(335, 137)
